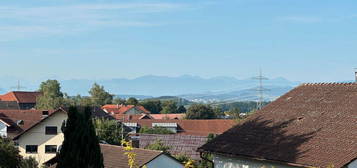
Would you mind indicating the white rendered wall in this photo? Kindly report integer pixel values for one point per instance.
(353, 164)
(3, 130)
(164, 161)
(227, 162)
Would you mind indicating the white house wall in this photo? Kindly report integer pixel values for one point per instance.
(164, 161)
(37, 136)
(3, 129)
(227, 162)
(353, 164)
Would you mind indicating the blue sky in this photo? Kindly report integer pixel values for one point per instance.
(301, 40)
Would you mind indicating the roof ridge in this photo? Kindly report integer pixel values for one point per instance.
(329, 83)
(158, 151)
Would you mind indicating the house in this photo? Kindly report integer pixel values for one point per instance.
(19, 100)
(188, 134)
(116, 109)
(41, 136)
(114, 157)
(187, 127)
(313, 125)
(16, 121)
(42, 139)
(178, 143)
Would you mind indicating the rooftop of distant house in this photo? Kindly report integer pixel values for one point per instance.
(114, 156)
(143, 116)
(21, 120)
(122, 109)
(191, 127)
(20, 96)
(312, 125)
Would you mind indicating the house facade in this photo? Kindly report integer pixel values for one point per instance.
(313, 125)
(43, 139)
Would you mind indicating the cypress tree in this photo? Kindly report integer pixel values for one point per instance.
(80, 147)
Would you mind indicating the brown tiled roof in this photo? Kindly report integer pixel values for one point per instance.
(122, 109)
(178, 143)
(20, 96)
(114, 156)
(312, 125)
(95, 112)
(193, 127)
(29, 118)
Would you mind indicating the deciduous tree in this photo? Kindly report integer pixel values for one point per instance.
(169, 107)
(181, 109)
(51, 97)
(99, 96)
(9, 154)
(109, 131)
(132, 101)
(200, 111)
(154, 106)
(158, 145)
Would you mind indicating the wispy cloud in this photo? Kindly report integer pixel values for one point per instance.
(19, 22)
(300, 19)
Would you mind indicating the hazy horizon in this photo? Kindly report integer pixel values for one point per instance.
(307, 41)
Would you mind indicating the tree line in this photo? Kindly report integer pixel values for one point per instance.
(52, 98)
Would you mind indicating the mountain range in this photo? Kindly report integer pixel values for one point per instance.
(190, 87)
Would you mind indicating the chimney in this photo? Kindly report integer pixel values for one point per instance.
(356, 75)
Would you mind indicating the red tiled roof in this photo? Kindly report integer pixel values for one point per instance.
(122, 109)
(20, 96)
(127, 117)
(312, 125)
(29, 118)
(168, 116)
(193, 127)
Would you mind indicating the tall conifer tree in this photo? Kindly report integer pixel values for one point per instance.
(80, 147)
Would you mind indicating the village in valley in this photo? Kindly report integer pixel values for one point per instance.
(178, 84)
(38, 124)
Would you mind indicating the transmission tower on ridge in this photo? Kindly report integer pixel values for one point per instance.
(260, 89)
(18, 87)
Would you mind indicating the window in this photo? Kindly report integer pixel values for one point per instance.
(51, 130)
(44, 113)
(50, 148)
(31, 148)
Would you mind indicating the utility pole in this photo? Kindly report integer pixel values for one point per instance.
(260, 89)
